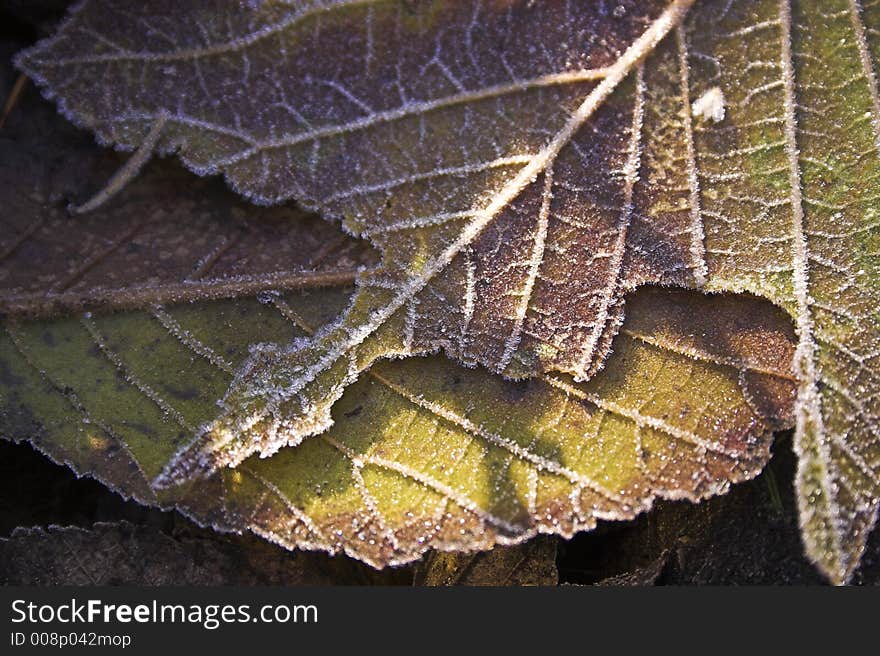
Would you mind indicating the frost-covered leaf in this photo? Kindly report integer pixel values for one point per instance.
(789, 185)
(521, 165)
(423, 453)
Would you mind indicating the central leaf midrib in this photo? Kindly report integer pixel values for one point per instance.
(671, 17)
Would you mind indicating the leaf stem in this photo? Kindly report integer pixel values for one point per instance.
(12, 99)
(127, 172)
(44, 305)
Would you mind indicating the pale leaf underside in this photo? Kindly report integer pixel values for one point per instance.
(521, 166)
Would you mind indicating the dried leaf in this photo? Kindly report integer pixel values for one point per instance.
(531, 563)
(423, 453)
(124, 554)
(639, 576)
(517, 193)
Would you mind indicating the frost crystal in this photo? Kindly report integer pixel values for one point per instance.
(710, 105)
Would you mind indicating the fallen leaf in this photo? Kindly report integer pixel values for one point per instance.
(479, 167)
(530, 563)
(639, 576)
(510, 142)
(121, 553)
(423, 454)
(456, 226)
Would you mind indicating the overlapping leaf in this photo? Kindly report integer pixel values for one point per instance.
(521, 165)
(423, 453)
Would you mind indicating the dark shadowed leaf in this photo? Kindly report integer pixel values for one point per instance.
(530, 563)
(124, 554)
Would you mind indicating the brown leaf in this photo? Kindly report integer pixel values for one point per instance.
(125, 554)
(531, 563)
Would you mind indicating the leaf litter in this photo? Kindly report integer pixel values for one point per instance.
(748, 204)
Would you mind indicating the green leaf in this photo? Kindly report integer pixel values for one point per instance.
(789, 184)
(518, 192)
(412, 461)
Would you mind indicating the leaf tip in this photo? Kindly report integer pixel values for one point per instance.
(190, 463)
(200, 458)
